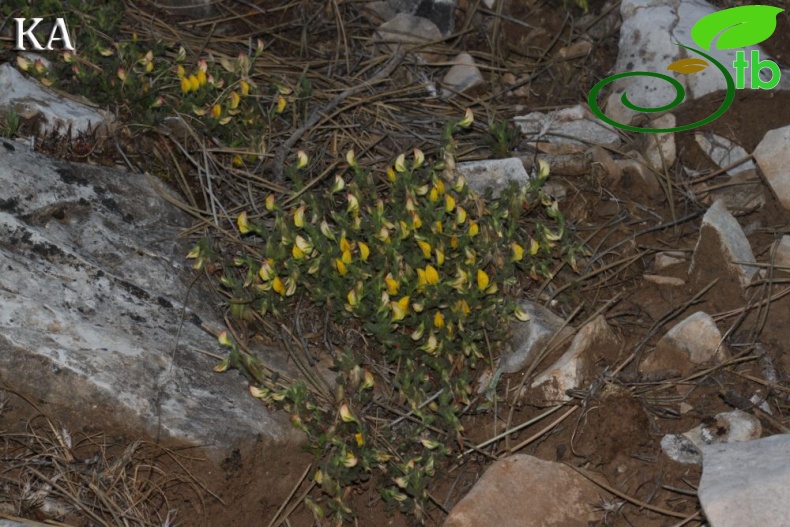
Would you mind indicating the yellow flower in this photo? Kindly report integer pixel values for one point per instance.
(364, 251)
(462, 307)
(346, 257)
(552, 236)
(474, 229)
(518, 252)
(185, 87)
(417, 333)
(422, 280)
(534, 246)
(267, 271)
(326, 231)
(346, 415)
(437, 227)
(416, 222)
(180, 72)
(301, 158)
(224, 340)
(438, 320)
(281, 103)
(368, 381)
(350, 460)
(425, 247)
(431, 275)
(521, 314)
(400, 308)
(419, 158)
(341, 267)
(400, 163)
(440, 187)
(245, 88)
(460, 281)
(299, 216)
(194, 83)
(234, 100)
(392, 284)
(297, 253)
(459, 184)
(391, 175)
(482, 280)
(384, 235)
(352, 298)
(344, 245)
(359, 438)
(454, 242)
(243, 223)
(270, 202)
(237, 161)
(353, 203)
(278, 286)
(468, 119)
(431, 345)
(216, 111)
(201, 77)
(304, 244)
(543, 173)
(433, 196)
(449, 203)
(338, 185)
(351, 158)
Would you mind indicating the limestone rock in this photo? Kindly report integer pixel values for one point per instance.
(724, 152)
(409, 29)
(782, 253)
(575, 125)
(727, 427)
(521, 491)
(692, 342)
(32, 100)
(772, 157)
(668, 259)
(531, 337)
(494, 173)
(462, 76)
(92, 310)
(747, 484)
(576, 365)
(660, 149)
(721, 233)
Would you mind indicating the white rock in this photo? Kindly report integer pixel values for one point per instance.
(773, 157)
(668, 259)
(649, 35)
(660, 148)
(694, 341)
(462, 76)
(521, 491)
(408, 29)
(530, 337)
(782, 253)
(664, 280)
(581, 127)
(494, 173)
(727, 235)
(30, 99)
(728, 427)
(571, 368)
(724, 152)
(747, 484)
(91, 304)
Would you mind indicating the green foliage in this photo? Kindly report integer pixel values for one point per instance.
(503, 136)
(10, 123)
(422, 264)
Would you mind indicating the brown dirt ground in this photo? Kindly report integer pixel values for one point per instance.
(617, 430)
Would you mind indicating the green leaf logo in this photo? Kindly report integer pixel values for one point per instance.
(741, 27)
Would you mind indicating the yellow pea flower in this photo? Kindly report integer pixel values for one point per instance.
(400, 308)
(299, 216)
(235, 99)
(304, 244)
(344, 245)
(431, 275)
(270, 202)
(433, 195)
(353, 203)
(437, 227)
(462, 307)
(341, 267)
(438, 320)
(416, 222)
(482, 280)
(474, 229)
(278, 286)
(185, 86)
(439, 257)
(180, 72)
(425, 247)
(281, 103)
(245, 88)
(384, 235)
(345, 414)
(521, 314)
(201, 77)
(534, 246)
(194, 83)
(267, 270)
(467, 120)
(431, 345)
(346, 257)
(391, 176)
(449, 203)
(352, 298)
(454, 242)
(351, 158)
(392, 284)
(364, 251)
(459, 184)
(326, 230)
(419, 158)
(400, 163)
(350, 460)
(518, 252)
(216, 111)
(422, 280)
(359, 438)
(243, 223)
(301, 158)
(297, 253)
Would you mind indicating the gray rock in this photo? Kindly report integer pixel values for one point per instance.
(721, 230)
(649, 34)
(409, 29)
(522, 490)
(747, 484)
(462, 76)
(440, 12)
(32, 100)
(573, 368)
(728, 427)
(724, 152)
(694, 341)
(92, 310)
(575, 125)
(772, 157)
(531, 337)
(782, 253)
(660, 149)
(494, 173)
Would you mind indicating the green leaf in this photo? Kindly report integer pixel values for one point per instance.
(741, 27)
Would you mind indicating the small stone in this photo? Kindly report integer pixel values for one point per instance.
(574, 125)
(724, 152)
(570, 370)
(681, 449)
(668, 259)
(723, 232)
(531, 336)
(664, 280)
(782, 253)
(728, 427)
(772, 157)
(494, 174)
(694, 341)
(462, 76)
(747, 484)
(660, 149)
(522, 490)
(409, 29)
